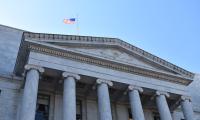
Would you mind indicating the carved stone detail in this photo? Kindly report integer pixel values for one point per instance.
(68, 74)
(162, 93)
(38, 68)
(183, 98)
(133, 87)
(111, 41)
(99, 81)
(112, 65)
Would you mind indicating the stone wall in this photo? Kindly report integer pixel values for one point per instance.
(10, 39)
(193, 90)
(90, 110)
(10, 95)
(9, 98)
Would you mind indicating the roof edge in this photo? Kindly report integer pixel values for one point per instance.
(13, 28)
(114, 41)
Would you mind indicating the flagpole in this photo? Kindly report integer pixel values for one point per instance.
(77, 24)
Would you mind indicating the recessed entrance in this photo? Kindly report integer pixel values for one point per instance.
(42, 109)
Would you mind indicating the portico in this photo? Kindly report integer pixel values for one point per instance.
(109, 71)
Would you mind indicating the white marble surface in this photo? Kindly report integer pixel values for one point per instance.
(30, 92)
(103, 73)
(9, 45)
(69, 99)
(194, 89)
(29, 98)
(163, 108)
(104, 106)
(187, 110)
(136, 106)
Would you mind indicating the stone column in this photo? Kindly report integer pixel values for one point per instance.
(29, 97)
(69, 96)
(187, 107)
(104, 99)
(162, 105)
(136, 106)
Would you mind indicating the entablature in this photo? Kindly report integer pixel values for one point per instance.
(29, 43)
(99, 41)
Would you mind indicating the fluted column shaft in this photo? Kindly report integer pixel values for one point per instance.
(162, 105)
(29, 98)
(69, 96)
(104, 99)
(187, 108)
(136, 106)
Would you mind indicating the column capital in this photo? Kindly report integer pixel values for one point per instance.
(99, 81)
(36, 67)
(68, 74)
(133, 87)
(162, 93)
(183, 98)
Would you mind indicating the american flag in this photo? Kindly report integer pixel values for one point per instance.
(69, 21)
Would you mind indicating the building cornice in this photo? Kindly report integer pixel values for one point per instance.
(110, 64)
(111, 41)
(27, 46)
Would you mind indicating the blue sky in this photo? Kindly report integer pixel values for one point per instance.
(169, 29)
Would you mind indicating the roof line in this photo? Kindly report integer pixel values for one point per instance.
(13, 28)
(114, 41)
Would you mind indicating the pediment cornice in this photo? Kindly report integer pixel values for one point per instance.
(88, 40)
(27, 46)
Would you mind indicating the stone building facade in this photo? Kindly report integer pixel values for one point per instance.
(67, 77)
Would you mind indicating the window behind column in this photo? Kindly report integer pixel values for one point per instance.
(130, 114)
(42, 108)
(78, 110)
(156, 116)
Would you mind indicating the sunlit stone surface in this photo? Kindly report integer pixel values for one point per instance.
(88, 100)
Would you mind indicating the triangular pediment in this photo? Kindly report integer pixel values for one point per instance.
(107, 52)
(110, 49)
(116, 55)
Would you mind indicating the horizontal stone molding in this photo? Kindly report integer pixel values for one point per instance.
(111, 65)
(110, 41)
